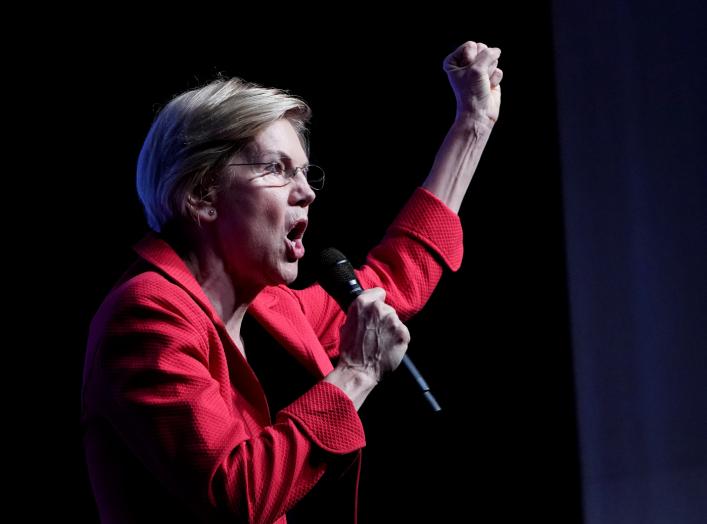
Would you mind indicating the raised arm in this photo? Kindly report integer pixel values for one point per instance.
(426, 236)
(475, 78)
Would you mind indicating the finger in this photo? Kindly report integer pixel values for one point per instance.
(492, 67)
(487, 57)
(403, 334)
(468, 43)
(372, 295)
(383, 313)
(496, 77)
(481, 46)
(394, 325)
(460, 57)
(469, 52)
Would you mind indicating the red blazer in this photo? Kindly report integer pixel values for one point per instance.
(177, 426)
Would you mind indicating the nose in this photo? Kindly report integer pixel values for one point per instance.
(302, 193)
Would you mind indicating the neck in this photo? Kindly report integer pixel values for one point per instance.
(227, 295)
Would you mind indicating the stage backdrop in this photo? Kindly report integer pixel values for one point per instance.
(633, 121)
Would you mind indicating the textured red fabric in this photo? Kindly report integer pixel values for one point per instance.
(177, 427)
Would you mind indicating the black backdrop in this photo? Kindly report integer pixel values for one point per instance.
(494, 340)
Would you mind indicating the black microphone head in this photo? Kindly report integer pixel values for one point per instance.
(330, 256)
(337, 277)
(334, 262)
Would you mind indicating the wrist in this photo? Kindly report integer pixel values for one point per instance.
(356, 382)
(474, 122)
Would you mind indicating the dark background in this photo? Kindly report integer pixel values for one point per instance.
(581, 302)
(494, 341)
(585, 228)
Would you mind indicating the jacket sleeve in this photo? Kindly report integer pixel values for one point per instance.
(152, 374)
(425, 238)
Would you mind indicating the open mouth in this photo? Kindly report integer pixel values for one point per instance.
(297, 230)
(295, 248)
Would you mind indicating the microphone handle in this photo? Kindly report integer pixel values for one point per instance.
(422, 384)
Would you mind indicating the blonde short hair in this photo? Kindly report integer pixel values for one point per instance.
(196, 133)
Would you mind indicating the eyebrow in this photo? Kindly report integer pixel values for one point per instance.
(279, 154)
(275, 152)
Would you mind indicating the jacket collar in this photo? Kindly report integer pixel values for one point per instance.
(160, 254)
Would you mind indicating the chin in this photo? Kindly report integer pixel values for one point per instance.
(290, 274)
(285, 273)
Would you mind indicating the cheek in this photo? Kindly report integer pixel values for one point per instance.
(275, 209)
(259, 220)
(266, 222)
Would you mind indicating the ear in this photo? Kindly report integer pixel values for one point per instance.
(202, 209)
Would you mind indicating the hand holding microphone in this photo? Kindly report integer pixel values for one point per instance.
(374, 339)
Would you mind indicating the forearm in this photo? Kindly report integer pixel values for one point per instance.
(456, 161)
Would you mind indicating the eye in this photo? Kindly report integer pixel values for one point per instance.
(275, 168)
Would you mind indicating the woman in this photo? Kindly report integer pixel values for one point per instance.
(202, 339)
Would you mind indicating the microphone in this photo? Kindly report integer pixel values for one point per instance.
(337, 277)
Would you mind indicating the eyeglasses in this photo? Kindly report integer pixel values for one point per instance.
(277, 172)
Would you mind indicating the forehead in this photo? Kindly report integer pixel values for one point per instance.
(277, 140)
